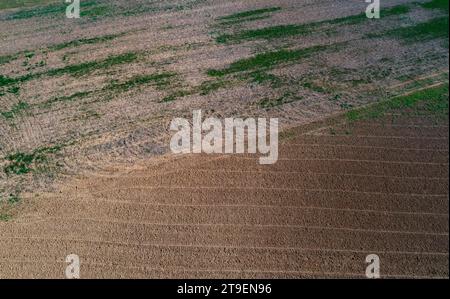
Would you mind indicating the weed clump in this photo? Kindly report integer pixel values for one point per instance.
(15, 110)
(266, 60)
(22, 163)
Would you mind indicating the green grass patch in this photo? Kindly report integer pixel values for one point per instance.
(8, 58)
(208, 87)
(261, 77)
(432, 29)
(205, 88)
(51, 9)
(88, 67)
(287, 98)
(250, 13)
(4, 81)
(5, 217)
(247, 16)
(437, 4)
(429, 102)
(29, 55)
(283, 31)
(97, 11)
(6, 4)
(39, 11)
(84, 41)
(13, 199)
(263, 33)
(266, 60)
(22, 163)
(70, 98)
(14, 90)
(161, 80)
(17, 109)
(74, 70)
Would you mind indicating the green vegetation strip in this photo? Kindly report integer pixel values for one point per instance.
(434, 28)
(250, 13)
(246, 16)
(431, 101)
(93, 9)
(85, 41)
(5, 4)
(283, 31)
(267, 60)
(74, 70)
(437, 4)
(160, 80)
(87, 8)
(71, 44)
(87, 67)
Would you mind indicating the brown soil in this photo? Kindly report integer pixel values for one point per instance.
(329, 202)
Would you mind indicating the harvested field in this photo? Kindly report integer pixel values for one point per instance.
(85, 164)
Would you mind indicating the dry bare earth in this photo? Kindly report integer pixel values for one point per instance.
(329, 201)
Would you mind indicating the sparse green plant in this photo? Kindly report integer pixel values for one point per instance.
(263, 77)
(286, 98)
(88, 67)
(177, 94)
(314, 87)
(13, 199)
(13, 89)
(346, 106)
(267, 60)
(160, 80)
(85, 41)
(208, 87)
(8, 58)
(17, 109)
(29, 55)
(5, 217)
(22, 163)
